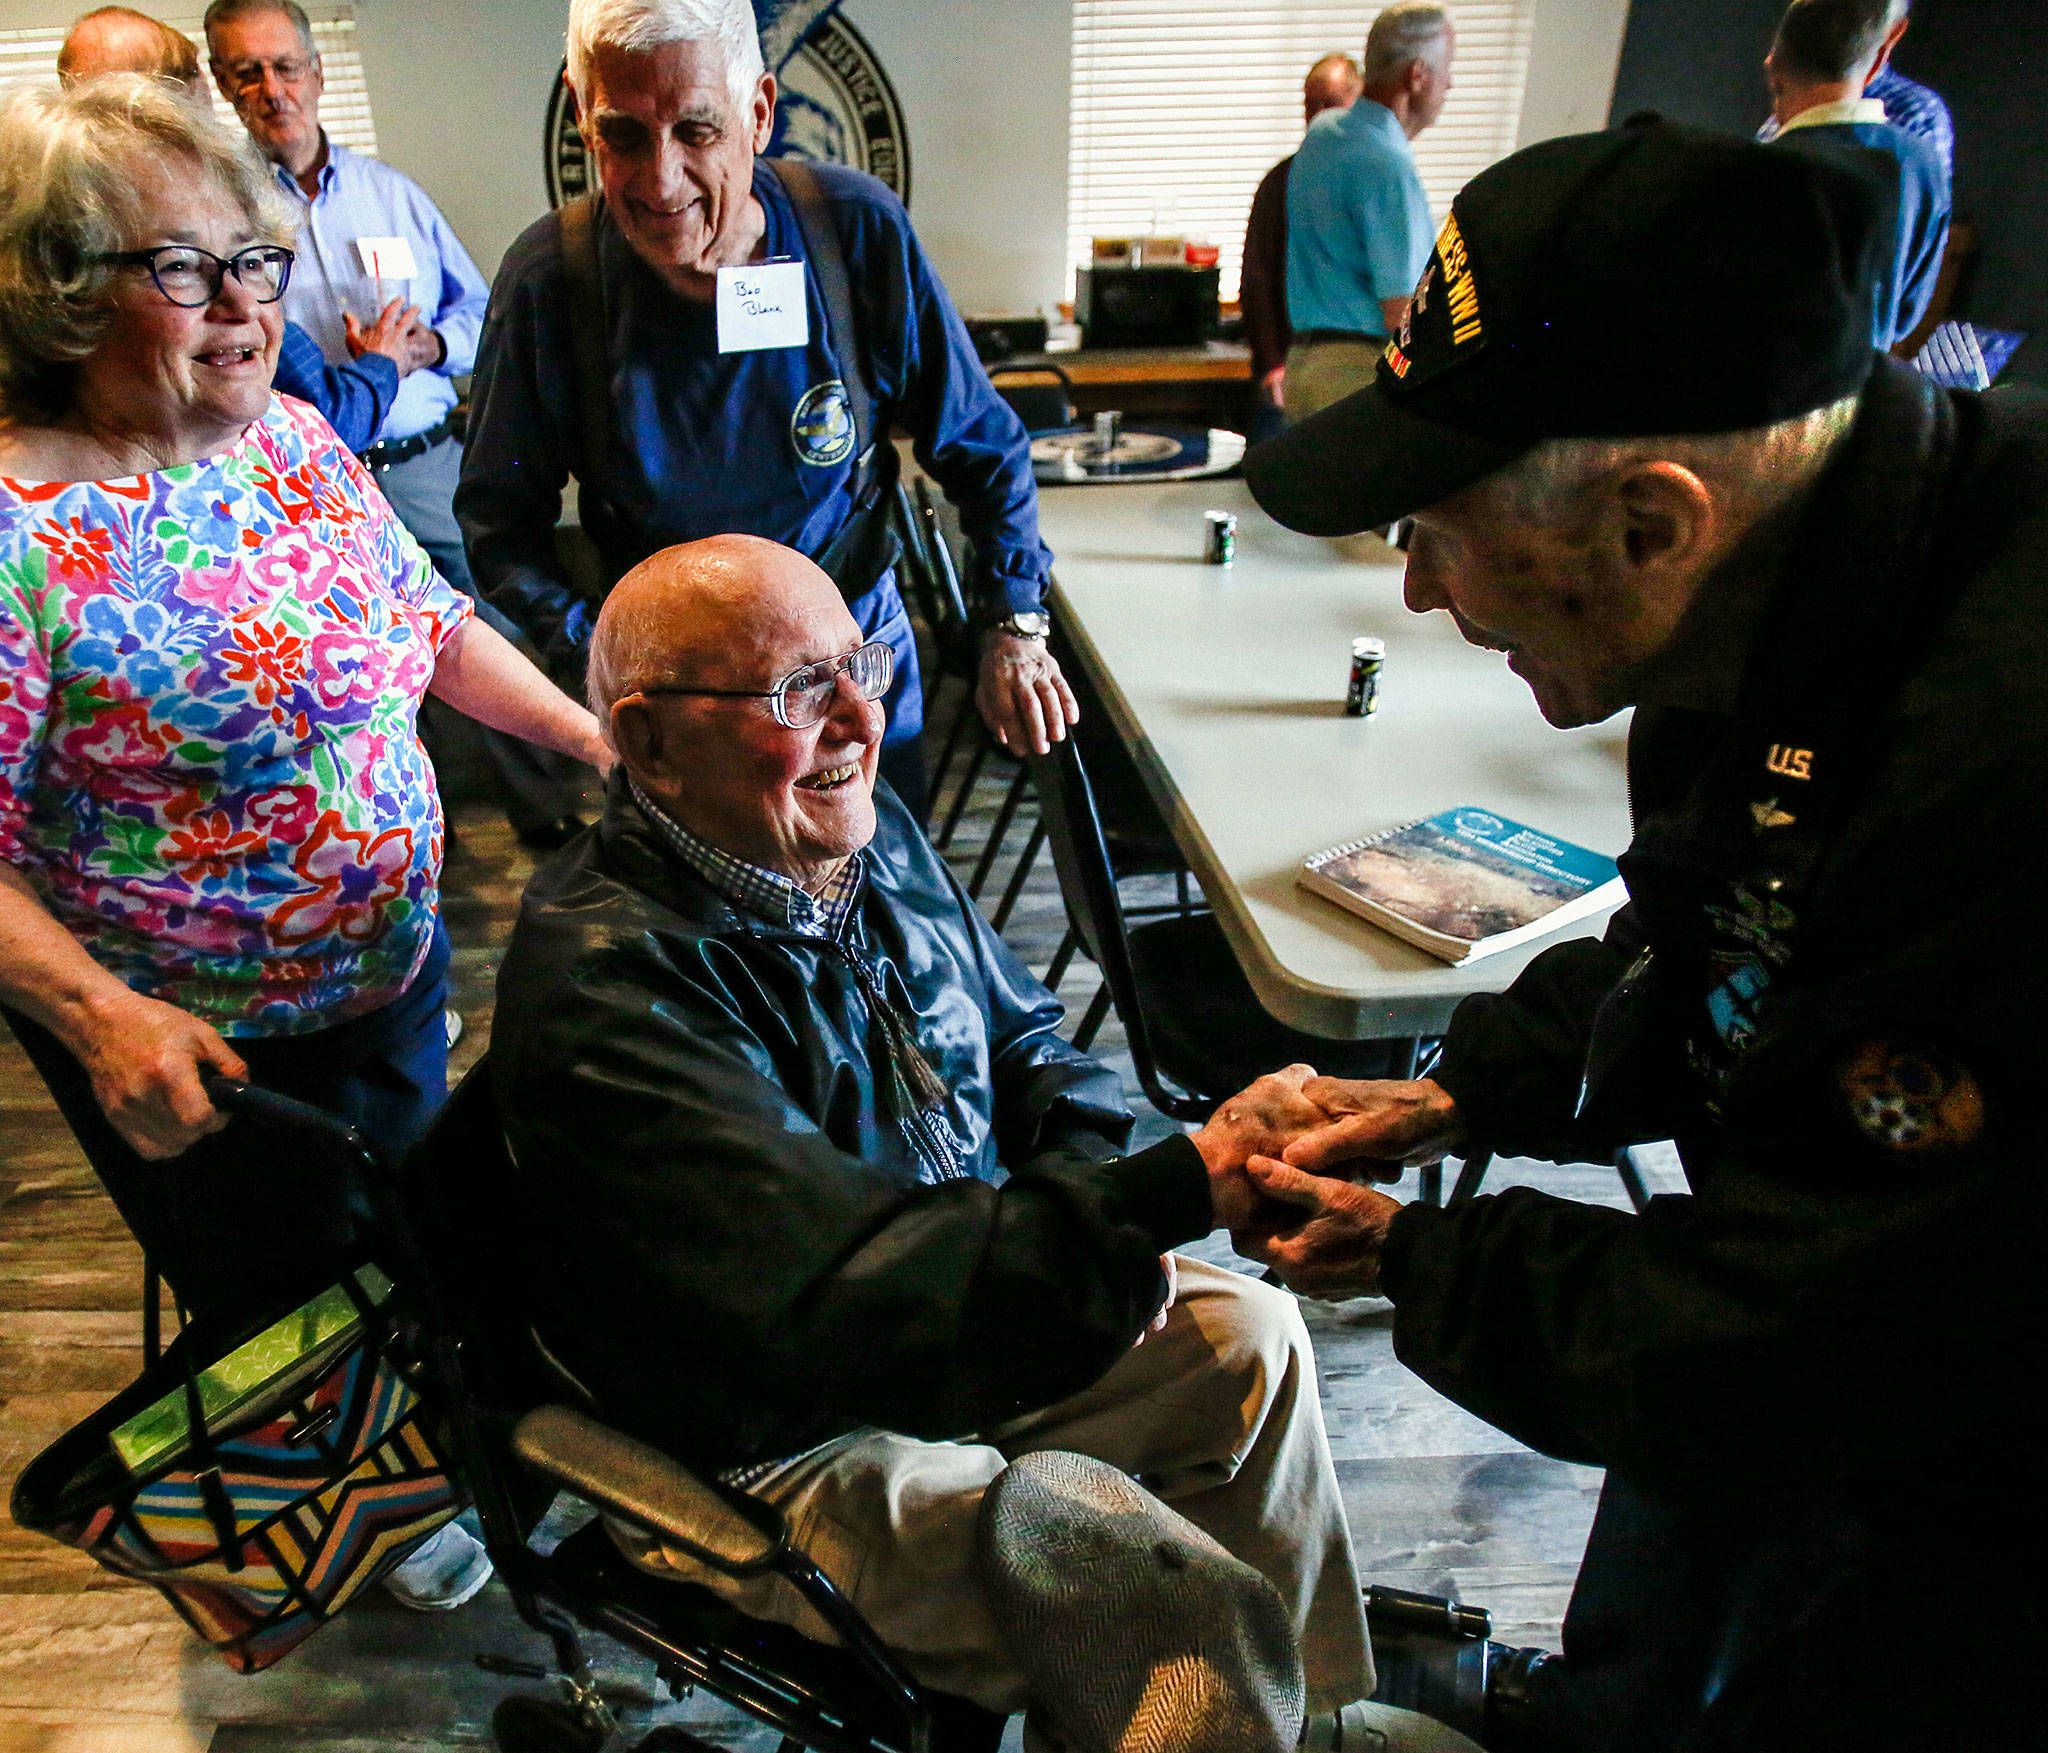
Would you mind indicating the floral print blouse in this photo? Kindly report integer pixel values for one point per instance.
(210, 765)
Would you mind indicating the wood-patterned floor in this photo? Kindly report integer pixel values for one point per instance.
(92, 1664)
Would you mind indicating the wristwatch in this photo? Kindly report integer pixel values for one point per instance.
(1025, 624)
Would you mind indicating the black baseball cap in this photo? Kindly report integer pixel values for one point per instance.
(1649, 280)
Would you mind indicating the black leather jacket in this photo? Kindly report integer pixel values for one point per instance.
(719, 1205)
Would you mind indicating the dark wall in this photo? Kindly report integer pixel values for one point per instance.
(1701, 61)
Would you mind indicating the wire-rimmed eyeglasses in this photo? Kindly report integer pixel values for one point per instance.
(804, 696)
(190, 276)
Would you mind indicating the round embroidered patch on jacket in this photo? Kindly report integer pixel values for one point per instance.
(1911, 1101)
(822, 426)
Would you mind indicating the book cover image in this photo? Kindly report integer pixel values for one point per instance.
(1465, 876)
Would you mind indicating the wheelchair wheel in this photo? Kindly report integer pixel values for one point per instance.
(543, 1725)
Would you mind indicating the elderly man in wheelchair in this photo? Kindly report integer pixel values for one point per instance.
(812, 1197)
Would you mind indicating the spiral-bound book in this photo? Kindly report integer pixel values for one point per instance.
(1465, 883)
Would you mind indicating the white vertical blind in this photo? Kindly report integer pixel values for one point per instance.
(31, 56)
(1181, 106)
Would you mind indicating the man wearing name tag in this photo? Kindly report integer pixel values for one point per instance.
(720, 343)
(1658, 478)
(371, 235)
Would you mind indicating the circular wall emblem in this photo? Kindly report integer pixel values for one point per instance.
(822, 426)
(835, 103)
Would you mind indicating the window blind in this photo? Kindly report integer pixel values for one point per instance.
(1181, 106)
(31, 56)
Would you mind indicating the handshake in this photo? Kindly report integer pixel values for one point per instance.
(1286, 1159)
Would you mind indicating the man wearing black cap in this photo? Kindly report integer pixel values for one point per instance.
(1651, 456)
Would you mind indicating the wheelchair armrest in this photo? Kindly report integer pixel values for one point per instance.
(714, 1524)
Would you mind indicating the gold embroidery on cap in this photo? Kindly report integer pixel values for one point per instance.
(1459, 286)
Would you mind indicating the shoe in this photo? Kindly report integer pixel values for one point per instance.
(451, 1022)
(1366, 1727)
(447, 1569)
(550, 836)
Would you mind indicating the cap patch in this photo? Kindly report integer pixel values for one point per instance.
(1444, 321)
(1907, 1101)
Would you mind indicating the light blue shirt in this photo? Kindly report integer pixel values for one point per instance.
(1358, 223)
(365, 197)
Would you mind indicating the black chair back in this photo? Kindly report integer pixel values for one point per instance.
(1042, 396)
(1095, 908)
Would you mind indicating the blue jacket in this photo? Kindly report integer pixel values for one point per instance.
(710, 443)
(353, 398)
(1912, 168)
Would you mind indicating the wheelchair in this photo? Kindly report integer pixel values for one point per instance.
(523, 1431)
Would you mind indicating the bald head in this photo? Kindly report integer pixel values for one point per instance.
(688, 613)
(690, 645)
(1333, 83)
(116, 39)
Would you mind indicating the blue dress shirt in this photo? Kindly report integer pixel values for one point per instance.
(1851, 133)
(364, 197)
(1359, 229)
(354, 397)
(1920, 111)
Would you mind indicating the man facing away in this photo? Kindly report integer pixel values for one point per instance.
(372, 234)
(1824, 56)
(1658, 478)
(607, 358)
(1358, 223)
(1332, 84)
(353, 395)
(811, 1193)
(1908, 104)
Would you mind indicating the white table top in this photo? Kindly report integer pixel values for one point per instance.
(1229, 685)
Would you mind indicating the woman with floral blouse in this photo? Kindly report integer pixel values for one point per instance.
(220, 841)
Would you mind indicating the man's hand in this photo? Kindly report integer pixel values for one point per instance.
(397, 333)
(1158, 1321)
(1334, 1251)
(144, 1061)
(1023, 697)
(1376, 1129)
(1273, 387)
(1261, 1120)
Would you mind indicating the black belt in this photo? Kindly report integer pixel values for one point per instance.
(1358, 335)
(394, 451)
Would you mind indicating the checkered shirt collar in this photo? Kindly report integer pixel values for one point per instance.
(765, 893)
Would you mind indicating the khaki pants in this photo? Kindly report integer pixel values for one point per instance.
(1218, 1415)
(1322, 372)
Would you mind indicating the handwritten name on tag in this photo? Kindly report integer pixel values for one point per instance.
(762, 307)
(387, 258)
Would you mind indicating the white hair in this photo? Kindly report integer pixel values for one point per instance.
(648, 24)
(1417, 30)
(1756, 471)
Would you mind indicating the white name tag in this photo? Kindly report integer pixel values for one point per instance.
(762, 307)
(387, 258)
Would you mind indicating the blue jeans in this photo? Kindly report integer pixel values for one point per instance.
(243, 1217)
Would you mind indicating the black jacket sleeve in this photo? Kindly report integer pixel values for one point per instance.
(1770, 1321)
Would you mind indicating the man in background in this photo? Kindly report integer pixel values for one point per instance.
(1333, 83)
(370, 231)
(354, 395)
(1358, 223)
(1907, 104)
(1819, 69)
(606, 358)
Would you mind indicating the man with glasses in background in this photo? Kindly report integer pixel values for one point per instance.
(353, 394)
(372, 236)
(810, 1193)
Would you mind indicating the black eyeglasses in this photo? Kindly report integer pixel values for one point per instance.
(247, 75)
(804, 696)
(191, 277)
